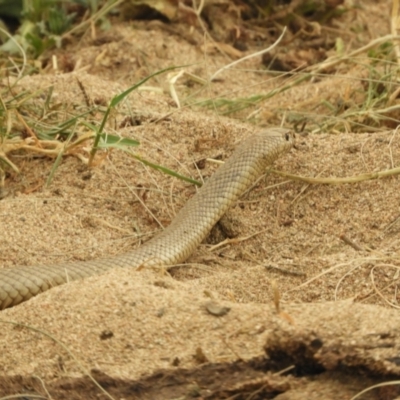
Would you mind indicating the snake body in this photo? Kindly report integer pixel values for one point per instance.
(175, 244)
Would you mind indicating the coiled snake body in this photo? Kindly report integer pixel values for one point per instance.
(175, 244)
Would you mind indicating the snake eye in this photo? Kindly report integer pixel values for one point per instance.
(287, 136)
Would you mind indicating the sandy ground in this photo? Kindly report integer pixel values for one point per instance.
(129, 324)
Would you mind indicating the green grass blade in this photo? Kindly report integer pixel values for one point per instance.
(58, 160)
(119, 97)
(114, 102)
(165, 170)
(50, 134)
(116, 142)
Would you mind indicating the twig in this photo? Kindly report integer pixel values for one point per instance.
(259, 53)
(235, 240)
(394, 24)
(338, 181)
(383, 384)
(377, 291)
(60, 343)
(44, 387)
(276, 296)
(337, 60)
(390, 224)
(284, 270)
(348, 241)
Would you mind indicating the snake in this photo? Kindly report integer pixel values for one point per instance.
(175, 243)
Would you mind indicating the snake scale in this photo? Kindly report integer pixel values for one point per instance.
(173, 245)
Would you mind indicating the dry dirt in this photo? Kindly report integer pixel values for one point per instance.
(148, 335)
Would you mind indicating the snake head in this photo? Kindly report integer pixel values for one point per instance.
(289, 137)
(283, 139)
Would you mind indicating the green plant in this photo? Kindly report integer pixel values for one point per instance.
(44, 23)
(32, 122)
